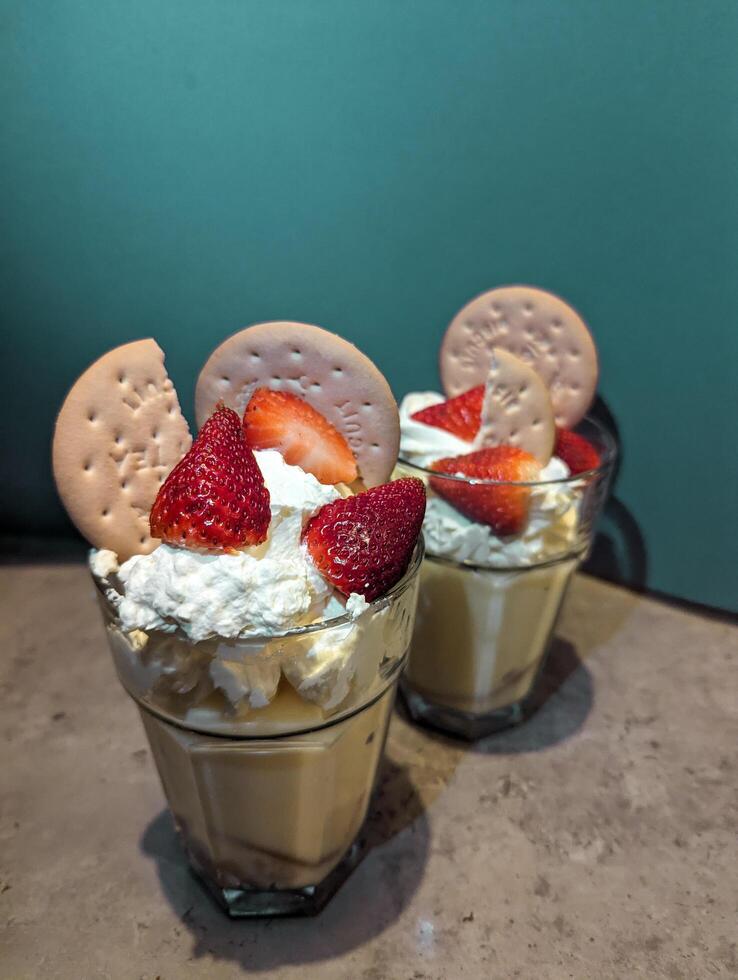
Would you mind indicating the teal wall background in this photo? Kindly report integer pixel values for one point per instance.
(180, 168)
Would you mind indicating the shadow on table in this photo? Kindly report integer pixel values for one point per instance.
(561, 701)
(371, 899)
(25, 549)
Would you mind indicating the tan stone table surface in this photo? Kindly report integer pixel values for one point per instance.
(596, 841)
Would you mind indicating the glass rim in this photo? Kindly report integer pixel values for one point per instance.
(381, 602)
(608, 455)
(575, 554)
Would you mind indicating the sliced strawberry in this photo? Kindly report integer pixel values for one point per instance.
(215, 497)
(504, 508)
(461, 416)
(283, 421)
(364, 543)
(577, 452)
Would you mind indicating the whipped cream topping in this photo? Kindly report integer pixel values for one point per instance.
(104, 565)
(220, 600)
(423, 444)
(246, 675)
(258, 590)
(552, 522)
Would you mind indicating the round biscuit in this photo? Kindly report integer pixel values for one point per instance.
(535, 326)
(517, 408)
(118, 435)
(324, 369)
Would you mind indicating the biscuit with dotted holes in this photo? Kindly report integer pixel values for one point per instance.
(535, 326)
(118, 435)
(328, 372)
(517, 408)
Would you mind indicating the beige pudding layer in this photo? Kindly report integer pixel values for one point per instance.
(272, 813)
(481, 634)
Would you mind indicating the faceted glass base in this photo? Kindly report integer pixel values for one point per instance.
(247, 903)
(461, 723)
(272, 826)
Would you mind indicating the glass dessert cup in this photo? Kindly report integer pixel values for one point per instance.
(269, 802)
(483, 628)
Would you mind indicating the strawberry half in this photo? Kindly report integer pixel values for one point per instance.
(461, 416)
(503, 508)
(577, 452)
(364, 543)
(283, 421)
(215, 497)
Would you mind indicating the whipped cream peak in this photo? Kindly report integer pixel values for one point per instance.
(290, 487)
(104, 564)
(423, 444)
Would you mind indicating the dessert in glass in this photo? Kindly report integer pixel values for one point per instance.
(516, 477)
(260, 610)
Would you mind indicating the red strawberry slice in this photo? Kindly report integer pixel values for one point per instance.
(215, 497)
(364, 543)
(461, 416)
(577, 452)
(503, 508)
(283, 421)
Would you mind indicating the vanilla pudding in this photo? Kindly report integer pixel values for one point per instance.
(498, 625)
(488, 604)
(314, 789)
